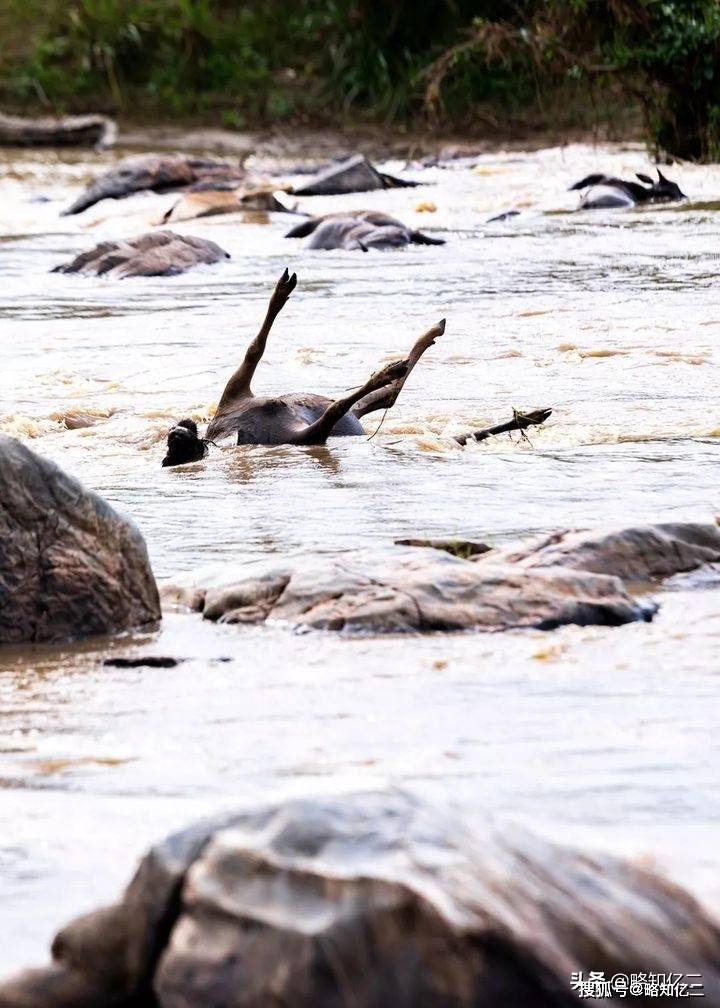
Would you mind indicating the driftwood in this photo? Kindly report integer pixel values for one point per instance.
(156, 253)
(520, 422)
(70, 131)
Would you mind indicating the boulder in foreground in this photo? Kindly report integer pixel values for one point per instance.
(70, 565)
(69, 131)
(374, 899)
(156, 253)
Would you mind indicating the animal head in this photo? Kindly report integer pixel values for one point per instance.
(663, 189)
(184, 445)
(669, 190)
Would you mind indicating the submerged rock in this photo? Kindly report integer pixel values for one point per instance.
(406, 590)
(502, 217)
(156, 172)
(68, 131)
(143, 661)
(156, 253)
(355, 174)
(377, 893)
(640, 553)
(70, 566)
(424, 585)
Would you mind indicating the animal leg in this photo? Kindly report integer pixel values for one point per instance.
(384, 398)
(318, 432)
(238, 388)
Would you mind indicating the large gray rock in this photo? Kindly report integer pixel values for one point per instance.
(636, 554)
(373, 899)
(405, 589)
(156, 253)
(70, 566)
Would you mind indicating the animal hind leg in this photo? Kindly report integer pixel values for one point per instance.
(384, 398)
(318, 432)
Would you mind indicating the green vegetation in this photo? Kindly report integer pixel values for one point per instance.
(458, 63)
(662, 54)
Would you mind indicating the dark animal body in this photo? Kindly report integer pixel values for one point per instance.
(155, 172)
(359, 229)
(354, 174)
(606, 191)
(307, 418)
(295, 418)
(157, 253)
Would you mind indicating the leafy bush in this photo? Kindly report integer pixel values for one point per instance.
(463, 61)
(664, 54)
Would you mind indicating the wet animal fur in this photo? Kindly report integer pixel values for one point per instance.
(184, 444)
(359, 229)
(294, 418)
(615, 192)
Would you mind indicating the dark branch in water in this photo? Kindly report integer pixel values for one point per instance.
(520, 422)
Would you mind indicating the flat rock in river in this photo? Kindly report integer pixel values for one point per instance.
(404, 590)
(156, 253)
(355, 174)
(638, 553)
(403, 904)
(70, 565)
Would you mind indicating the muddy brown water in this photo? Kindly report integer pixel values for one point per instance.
(597, 736)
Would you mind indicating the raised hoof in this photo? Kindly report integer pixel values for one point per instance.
(283, 289)
(387, 375)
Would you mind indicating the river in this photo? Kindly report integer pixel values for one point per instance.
(600, 737)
